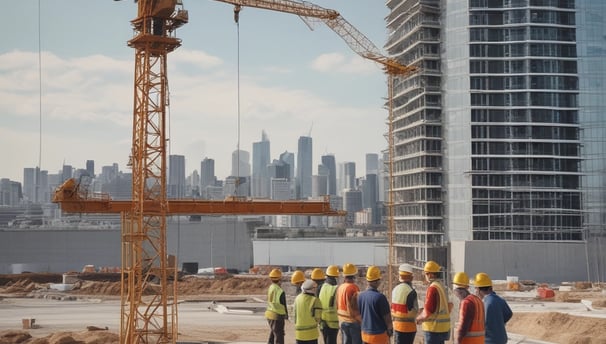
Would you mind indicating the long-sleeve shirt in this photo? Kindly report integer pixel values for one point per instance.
(497, 314)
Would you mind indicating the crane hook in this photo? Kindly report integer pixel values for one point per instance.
(237, 13)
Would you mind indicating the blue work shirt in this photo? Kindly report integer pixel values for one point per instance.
(373, 308)
(497, 314)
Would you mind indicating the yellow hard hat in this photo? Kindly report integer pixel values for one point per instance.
(373, 273)
(332, 271)
(431, 266)
(349, 269)
(275, 274)
(297, 277)
(461, 279)
(482, 280)
(317, 274)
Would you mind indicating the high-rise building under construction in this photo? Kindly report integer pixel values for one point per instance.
(499, 139)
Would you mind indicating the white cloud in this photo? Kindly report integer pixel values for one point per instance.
(87, 107)
(338, 63)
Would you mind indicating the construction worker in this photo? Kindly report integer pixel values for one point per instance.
(276, 312)
(330, 322)
(374, 309)
(347, 306)
(470, 328)
(496, 310)
(297, 279)
(308, 313)
(404, 307)
(435, 317)
(318, 276)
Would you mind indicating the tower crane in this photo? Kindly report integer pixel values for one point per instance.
(148, 312)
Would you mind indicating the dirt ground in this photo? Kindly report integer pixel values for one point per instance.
(548, 326)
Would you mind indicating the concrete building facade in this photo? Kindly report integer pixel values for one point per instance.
(488, 135)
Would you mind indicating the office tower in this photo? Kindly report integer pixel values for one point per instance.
(236, 186)
(207, 176)
(176, 176)
(370, 192)
(319, 186)
(260, 161)
(289, 158)
(67, 172)
(193, 185)
(10, 192)
(329, 162)
(29, 184)
(240, 163)
(304, 167)
(372, 163)
(90, 168)
(280, 189)
(347, 175)
(279, 169)
(488, 145)
(352, 202)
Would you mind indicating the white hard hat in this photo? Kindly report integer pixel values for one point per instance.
(405, 269)
(308, 285)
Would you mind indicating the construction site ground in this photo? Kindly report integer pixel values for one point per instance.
(230, 310)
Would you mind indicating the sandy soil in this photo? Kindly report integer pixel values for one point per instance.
(548, 326)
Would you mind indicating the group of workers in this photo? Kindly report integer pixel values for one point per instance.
(321, 305)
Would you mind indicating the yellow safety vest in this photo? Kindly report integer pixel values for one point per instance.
(275, 309)
(308, 312)
(404, 319)
(329, 305)
(440, 320)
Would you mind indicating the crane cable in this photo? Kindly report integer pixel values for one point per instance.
(237, 20)
(39, 169)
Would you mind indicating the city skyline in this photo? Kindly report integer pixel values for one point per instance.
(191, 166)
(71, 97)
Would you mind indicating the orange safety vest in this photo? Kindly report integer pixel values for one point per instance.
(475, 335)
(345, 307)
(404, 319)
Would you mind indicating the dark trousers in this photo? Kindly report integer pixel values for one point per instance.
(313, 341)
(404, 337)
(276, 336)
(330, 335)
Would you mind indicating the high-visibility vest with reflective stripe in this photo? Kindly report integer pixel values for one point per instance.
(308, 312)
(475, 335)
(329, 305)
(404, 319)
(274, 309)
(343, 305)
(440, 320)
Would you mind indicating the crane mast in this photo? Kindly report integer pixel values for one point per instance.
(149, 311)
(144, 256)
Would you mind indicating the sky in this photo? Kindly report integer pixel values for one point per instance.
(66, 84)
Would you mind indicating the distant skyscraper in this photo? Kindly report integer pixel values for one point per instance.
(330, 163)
(347, 175)
(372, 163)
(67, 173)
(176, 176)
(10, 192)
(352, 202)
(260, 161)
(207, 176)
(319, 185)
(240, 163)
(280, 189)
(90, 168)
(304, 167)
(29, 184)
(279, 169)
(289, 158)
(371, 196)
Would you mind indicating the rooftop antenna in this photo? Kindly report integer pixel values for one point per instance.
(310, 128)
